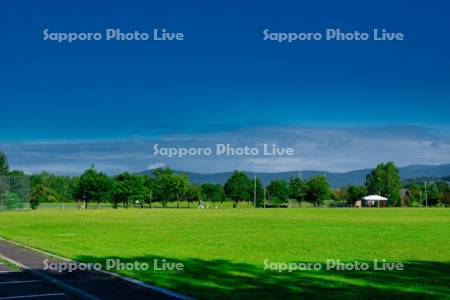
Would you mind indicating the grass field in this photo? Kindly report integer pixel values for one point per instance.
(223, 250)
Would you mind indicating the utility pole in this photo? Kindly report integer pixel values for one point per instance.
(426, 194)
(264, 198)
(254, 192)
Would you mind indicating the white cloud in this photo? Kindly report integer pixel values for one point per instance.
(157, 165)
(317, 148)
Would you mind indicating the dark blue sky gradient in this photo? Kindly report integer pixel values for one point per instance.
(223, 76)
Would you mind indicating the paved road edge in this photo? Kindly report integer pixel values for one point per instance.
(90, 297)
(59, 284)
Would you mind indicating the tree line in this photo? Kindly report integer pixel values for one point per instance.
(165, 186)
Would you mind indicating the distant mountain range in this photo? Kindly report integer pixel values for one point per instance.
(335, 179)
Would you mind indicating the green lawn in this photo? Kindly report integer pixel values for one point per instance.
(223, 250)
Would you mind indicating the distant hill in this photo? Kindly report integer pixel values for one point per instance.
(335, 179)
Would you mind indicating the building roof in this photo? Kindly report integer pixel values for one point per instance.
(374, 198)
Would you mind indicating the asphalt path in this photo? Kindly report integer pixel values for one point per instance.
(20, 284)
(36, 283)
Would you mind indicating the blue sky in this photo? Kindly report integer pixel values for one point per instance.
(223, 80)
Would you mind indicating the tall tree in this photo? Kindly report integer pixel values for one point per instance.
(93, 186)
(433, 195)
(239, 187)
(259, 190)
(62, 185)
(298, 189)
(193, 194)
(278, 191)
(384, 180)
(318, 190)
(40, 193)
(150, 185)
(178, 186)
(4, 166)
(170, 186)
(445, 200)
(213, 192)
(128, 188)
(353, 193)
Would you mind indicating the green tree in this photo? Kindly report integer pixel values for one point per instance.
(259, 190)
(433, 194)
(119, 191)
(239, 188)
(73, 188)
(298, 189)
(445, 200)
(384, 180)
(213, 192)
(318, 190)
(4, 166)
(353, 193)
(93, 186)
(170, 186)
(178, 186)
(159, 185)
(278, 191)
(63, 185)
(41, 193)
(150, 189)
(193, 194)
(128, 188)
(138, 190)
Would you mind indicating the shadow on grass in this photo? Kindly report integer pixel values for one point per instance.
(222, 279)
